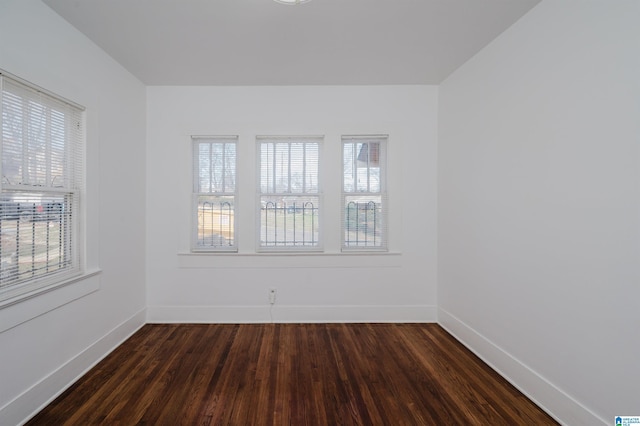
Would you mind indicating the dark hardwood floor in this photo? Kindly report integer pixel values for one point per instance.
(292, 374)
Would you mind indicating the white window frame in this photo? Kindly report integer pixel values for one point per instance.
(317, 243)
(214, 214)
(363, 196)
(32, 186)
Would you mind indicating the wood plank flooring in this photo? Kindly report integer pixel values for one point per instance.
(292, 374)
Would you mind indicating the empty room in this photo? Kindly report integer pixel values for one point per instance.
(320, 212)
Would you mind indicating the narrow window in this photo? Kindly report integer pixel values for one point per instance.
(42, 184)
(214, 193)
(364, 193)
(289, 194)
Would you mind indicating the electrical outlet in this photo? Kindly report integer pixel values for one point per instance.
(272, 295)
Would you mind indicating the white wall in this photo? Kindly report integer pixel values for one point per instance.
(47, 341)
(539, 207)
(330, 287)
(538, 191)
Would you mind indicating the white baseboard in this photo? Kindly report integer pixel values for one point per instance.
(290, 314)
(545, 394)
(34, 399)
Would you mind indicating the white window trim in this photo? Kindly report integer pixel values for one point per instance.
(16, 311)
(276, 260)
(194, 198)
(319, 247)
(383, 139)
(30, 289)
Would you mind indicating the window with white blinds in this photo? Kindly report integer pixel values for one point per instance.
(364, 198)
(214, 193)
(289, 193)
(42, 151)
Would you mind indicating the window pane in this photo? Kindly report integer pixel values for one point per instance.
(35, 139)
(35, 232)
(216, 216)
(291, 221)
(363, 222)
(216, 163)
(289, 167)
(361, 167)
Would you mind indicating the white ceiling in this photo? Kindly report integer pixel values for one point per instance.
(261, 42)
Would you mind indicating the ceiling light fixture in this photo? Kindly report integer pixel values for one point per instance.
(292, 2)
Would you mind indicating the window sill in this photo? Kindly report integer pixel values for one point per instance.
(21, 309)
(290, 260)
